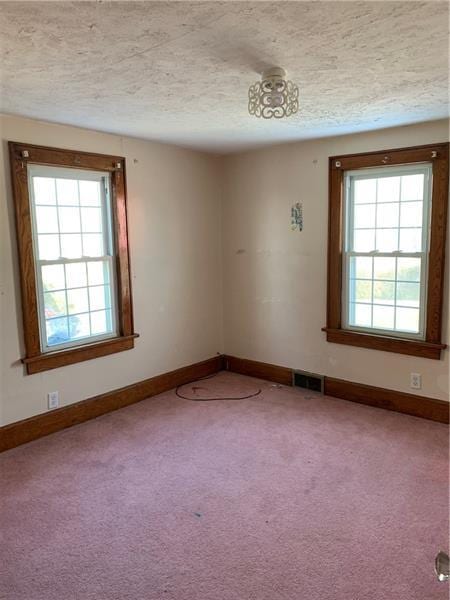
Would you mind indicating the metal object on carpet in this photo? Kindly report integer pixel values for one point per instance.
(442, 566)
(309, 381)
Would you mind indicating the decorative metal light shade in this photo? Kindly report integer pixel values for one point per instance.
(274, 96)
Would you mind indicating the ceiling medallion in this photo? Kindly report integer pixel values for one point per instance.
(274, 96)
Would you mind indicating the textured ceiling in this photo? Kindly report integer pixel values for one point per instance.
(179, 71)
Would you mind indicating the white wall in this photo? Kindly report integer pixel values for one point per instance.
(174, 216)
(275, 278)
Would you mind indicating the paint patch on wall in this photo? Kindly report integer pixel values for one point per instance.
(297, 216)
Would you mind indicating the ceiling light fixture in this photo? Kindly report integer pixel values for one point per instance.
(274, 96)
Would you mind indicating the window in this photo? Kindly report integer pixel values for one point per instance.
(72, 237)
(74, 252)
(386, 249)
(386, 237)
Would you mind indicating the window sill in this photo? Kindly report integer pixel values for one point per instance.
(62, 358)
(420, 348)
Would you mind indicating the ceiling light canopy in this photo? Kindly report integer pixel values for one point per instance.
(274, 96)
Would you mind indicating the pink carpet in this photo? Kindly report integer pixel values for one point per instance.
(284, 496)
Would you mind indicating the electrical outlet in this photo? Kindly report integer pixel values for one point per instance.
(53, 400)
(415, 381)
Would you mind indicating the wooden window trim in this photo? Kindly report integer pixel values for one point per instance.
(438, 155)
(20, 156)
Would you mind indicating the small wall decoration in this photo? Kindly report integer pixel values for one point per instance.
(297, 216)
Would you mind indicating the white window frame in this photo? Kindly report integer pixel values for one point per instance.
(348, 253)
(104, 178)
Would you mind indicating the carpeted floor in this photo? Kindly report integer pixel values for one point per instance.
(287, 495)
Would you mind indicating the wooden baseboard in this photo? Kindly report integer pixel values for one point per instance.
(33, 428)
(410, 404)
(261, 370)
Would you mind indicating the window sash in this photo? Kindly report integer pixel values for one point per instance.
(108, 254)
(422, 295)
(45, 347)
(348, 253)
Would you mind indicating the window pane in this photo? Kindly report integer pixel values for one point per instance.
(76, 275)
(57, 331)
(69, 219)
(44, 190)
(408, 294)
(364, 240)
(388, 189)
(71, 245)
(387, 240)
(360, 291)
(99, 297)
(67, 192)
(53, 277)
(101, 322)
(48, 247)
(411, 214)
(77, 300)
(90, 193)
(98, 273)
(91, 219)
(412, 187)
(93, 244)
(383, 317)
(407, 319)
(55, 304)
(79, 326)
(364, 216)
(384, 292)
(411, 240)
(46, 219)
(362, 315)
(365, 191)
(361, 267)
(387, 215)
(408, 269)
(384, 268)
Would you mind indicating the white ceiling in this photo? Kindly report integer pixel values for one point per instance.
(179, 71)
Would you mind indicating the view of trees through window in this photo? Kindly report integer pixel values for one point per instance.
(385, 255)
(73, 244)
